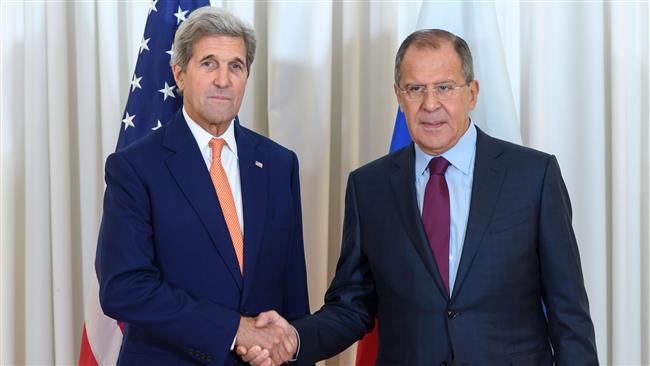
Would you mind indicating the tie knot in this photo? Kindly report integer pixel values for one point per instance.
(216, 145)
(438, 166)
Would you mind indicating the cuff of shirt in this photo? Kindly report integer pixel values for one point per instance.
(232, 346)
(295, 331)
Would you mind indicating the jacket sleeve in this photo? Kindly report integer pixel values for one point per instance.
(131, 286)
(564, 294)
(350, 302)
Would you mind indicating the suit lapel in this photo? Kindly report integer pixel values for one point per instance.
(253, 171)
(403, 184)
(189, 170)
(486, 186)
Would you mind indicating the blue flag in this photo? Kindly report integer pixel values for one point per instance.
(153, 97)
(401, 135)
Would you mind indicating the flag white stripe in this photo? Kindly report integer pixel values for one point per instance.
(104, 334)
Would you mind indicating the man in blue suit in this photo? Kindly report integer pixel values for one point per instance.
(454, 242)
(202, 226)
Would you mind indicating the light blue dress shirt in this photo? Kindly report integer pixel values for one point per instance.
(459, 177)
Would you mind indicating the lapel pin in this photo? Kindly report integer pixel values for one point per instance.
(258, 164)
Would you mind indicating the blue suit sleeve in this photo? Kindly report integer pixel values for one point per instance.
(350, 302)
(564, 294)
(131, 285)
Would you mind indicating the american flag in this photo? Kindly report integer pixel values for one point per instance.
(153, 99)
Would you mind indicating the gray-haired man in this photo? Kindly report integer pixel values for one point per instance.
(453, 242)
(202, 221)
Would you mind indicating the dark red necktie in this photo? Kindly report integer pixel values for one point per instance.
(435, 215)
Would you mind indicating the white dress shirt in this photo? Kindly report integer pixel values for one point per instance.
(229, 159)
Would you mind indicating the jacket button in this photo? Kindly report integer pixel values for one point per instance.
(452, 314)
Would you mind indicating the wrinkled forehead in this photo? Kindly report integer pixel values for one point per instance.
(431, 65)
(433, 43)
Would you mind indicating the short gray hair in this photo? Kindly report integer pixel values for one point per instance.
(207, 21)
(432, 38)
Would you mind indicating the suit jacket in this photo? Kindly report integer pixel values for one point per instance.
(519, 249)
(165, 261)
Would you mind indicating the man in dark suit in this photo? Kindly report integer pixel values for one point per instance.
(202, 220)
(460, 244)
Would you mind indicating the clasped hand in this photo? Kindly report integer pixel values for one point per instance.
(268, 340)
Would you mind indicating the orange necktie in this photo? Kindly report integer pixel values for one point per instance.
(221, 185)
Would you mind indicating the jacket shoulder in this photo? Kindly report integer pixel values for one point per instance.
(145, 149)
(267, 145)
(385, 165)
(516, 154)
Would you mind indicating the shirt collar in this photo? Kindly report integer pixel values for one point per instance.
(460, 155)
(203, 137)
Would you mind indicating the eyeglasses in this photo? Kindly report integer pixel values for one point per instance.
(443, 91)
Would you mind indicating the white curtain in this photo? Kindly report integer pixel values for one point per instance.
(322, 86)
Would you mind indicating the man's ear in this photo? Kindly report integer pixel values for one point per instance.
(178, 76)
(398, 95)
(473, 92)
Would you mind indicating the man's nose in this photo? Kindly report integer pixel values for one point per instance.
(221, 78)
(430, 100)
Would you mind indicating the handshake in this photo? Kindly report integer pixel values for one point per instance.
(267, 340)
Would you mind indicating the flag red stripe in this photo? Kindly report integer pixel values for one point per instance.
(86, 356)
(367, 348)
